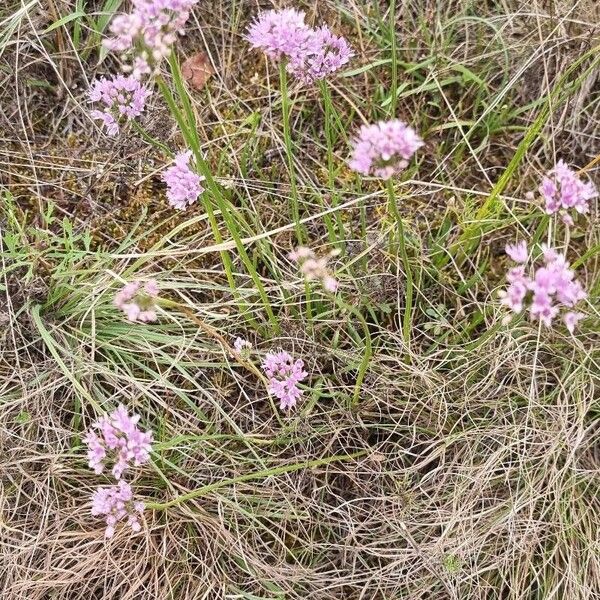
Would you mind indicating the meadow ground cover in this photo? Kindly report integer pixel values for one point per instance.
(299, 299)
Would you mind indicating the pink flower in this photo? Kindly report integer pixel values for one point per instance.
(149, 31)
(326, 54)
(330, 284)
(571, 319)
(284, 374)
(301, 253)
(517, 274)
(183, 185)
(544, 281)
(518, 252)
(569, 293)
(552, 286)
(116, 503)
(550, 254)
(280, 34)
(514, 295)
(110, 123)
(137, 302)
(384, 149)
(96, 452)
(310, 54)
(313, 268)
(119, 441)
(563, 190)
(542, 308)
(151, 288)
(124, 98)
(567, 219)
(242, 346)
(548, 191)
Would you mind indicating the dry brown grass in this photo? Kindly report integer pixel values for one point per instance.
(477, 476)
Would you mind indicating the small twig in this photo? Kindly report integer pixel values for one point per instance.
(213, 333)
(589, 165)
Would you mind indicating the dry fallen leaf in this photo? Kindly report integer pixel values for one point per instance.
(197, 70)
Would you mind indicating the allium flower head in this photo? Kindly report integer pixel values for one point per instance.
(284, 374)
(124, 98)
(118, 440)
(280, 34)
(138, 302)
(384, 149)
(571, 319)
(183, 185)
(517, 252)
(149, 31)
(116, 503)
(563, 190)
(549, 287)
(326, 54)
(310, 54)
(314, 268)
(242, 346)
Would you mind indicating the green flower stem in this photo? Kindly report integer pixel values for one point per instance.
(150, 139)
(368, 353)
(263, 474)
(337, 237)
(407, 319)
(394, 66)
(289, 150)
(309, 312)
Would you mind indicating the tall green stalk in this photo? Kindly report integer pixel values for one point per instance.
(334, 236)
(368, 353)
(407, 318)
(264, 474)
(394, 65)
(289, 149)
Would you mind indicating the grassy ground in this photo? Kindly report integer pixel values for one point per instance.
(464, 466)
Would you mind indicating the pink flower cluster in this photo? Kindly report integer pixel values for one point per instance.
(384, 149)
(280, 34)
(183, 185)
(137, 302)
(310, 54)
(149, 31)
(563, 190)
(550, 287)
(242, 346)
(327, 54)
(116, 503)
(284, 375)
(313, 268)
(123, 97)
(120, 441)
